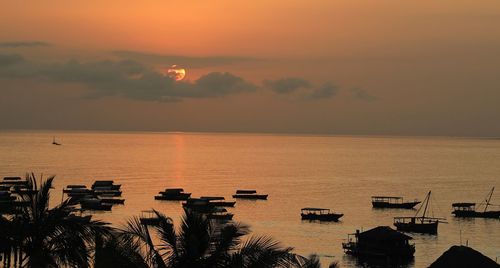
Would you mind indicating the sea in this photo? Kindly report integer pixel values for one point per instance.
(336, 172)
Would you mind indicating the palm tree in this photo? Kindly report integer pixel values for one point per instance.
(49, 237)
(201, 243)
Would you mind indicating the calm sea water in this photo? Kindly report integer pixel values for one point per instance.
(296, 171)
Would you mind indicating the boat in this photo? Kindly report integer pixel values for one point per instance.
(220, 214)
(468, 210)
(106, 191)
(219, 201)
(419, 224)
(111, 200)
(392, 202)
(54, 142)
(77, 191)
(249, 194)
(198, 205)
(149, 217)
(94, 204)
(174, 194)
(380, 242)
(108, 184)
(321, 214)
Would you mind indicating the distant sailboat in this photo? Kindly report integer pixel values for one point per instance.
(55, 142)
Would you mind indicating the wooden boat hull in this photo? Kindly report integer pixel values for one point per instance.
(424, 228)
(476, 214)
(404, 205)
(403, 253)
(223, 203)
(180, 197)
(321, 217)
(112, 201)
(251, 196)
(108, 192)
(92, 206)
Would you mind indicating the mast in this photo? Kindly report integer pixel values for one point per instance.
(426, 203)
(489, 198)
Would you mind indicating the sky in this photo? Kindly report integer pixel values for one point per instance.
(357, 67)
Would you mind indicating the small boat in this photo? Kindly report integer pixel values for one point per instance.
(108, 184)
(219, 201)
(249, 194)
(468, 210)
(149, 217)
(380, 242)
(12, 178)
(419, 224)
(392, 202)
(107, 192)
(175, 194)
(220, 214)
(94, 204)
(321, 214)
(75, 186)
(111, 200)
(198, 205)
(77, 191)
(54, 142)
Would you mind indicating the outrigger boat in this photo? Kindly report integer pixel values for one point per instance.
(249, 194)
(218, 201)
(468, 210)
(174, 194)
(392, 202)
(419, 224)
(321, 214)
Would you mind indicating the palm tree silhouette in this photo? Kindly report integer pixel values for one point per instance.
(39, 236)
(199, 242)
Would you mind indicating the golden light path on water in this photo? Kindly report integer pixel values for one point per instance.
(296, 171)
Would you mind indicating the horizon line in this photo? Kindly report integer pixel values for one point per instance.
(271, 133)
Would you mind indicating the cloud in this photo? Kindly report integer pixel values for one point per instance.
(286, 85)
(327, 90)
(362, 94)
(127, 78)
(303, 88)
(186, 61)
(9, 59)
(17, 44)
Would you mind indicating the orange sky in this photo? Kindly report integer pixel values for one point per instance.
(423, 67)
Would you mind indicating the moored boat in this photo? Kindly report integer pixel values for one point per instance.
(105, 184)
(94, 204)
(220, 214)
(149, 217)
(380, 242)
(219, 201)
(469, 210)
(321, 214)
(173, 194)
(419, 224)
(392, 202)
(249, 194)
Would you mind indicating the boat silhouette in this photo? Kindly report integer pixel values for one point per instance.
(419, 224)
(468, 210)
(54, 142)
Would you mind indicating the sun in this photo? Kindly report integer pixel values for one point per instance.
(176, 73)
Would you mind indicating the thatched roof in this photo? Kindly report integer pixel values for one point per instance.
(383, 233)
(463, 257)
